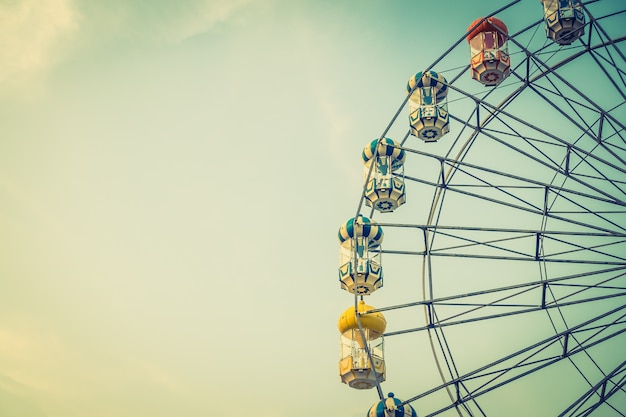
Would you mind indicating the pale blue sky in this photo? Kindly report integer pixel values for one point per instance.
(172, 177)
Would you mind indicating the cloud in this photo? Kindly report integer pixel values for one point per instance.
(26, 355)
(36, 35)
(43, 369)
(32, 36)
(160, 20)
(17, 401)
(202, 16)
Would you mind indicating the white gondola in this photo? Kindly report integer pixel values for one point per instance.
(385, 190)
(355, 367)
(565, 20)
(428, 106)
(360, 269)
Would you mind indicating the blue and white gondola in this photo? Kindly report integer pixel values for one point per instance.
(428, 106)
(391, 407)
(360, 270)
(385, 190)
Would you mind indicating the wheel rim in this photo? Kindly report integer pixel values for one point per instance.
(555, 221)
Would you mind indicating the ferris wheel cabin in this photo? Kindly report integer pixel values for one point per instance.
(391, 407)
(565, 20)
(360, 270)
(428, 106)
(385, 189)
(355, 367)
(490, 63)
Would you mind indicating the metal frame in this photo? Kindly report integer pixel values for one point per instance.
(533, 74)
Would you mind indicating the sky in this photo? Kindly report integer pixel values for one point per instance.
(172, 179)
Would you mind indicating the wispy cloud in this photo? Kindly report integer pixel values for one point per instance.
(32, 36)
(161, 21)
(40, 368)
(27, 355)
(340, 121)
(36, 35)
(199, 17)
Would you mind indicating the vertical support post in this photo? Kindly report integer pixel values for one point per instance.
(443, 175)
(565, 342)
(477, 114)
(600, 126)
(538, 239)
(429, 307)
(527, 68)
(603, 391)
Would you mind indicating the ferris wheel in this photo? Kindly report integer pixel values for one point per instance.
(498, 215)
